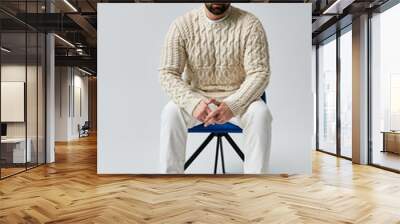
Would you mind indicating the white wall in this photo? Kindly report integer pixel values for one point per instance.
(61, 103)
(80, 109)
(16, 73)
(68, 81)
(130, 98)
(12, 101)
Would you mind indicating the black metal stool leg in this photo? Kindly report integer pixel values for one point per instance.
(199, 150)
(234, 146)
(219, 148)
(216, 154)
(222, 155)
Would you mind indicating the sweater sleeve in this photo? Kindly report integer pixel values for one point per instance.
(172, 64)
(256, 66)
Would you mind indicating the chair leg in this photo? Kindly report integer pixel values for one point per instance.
(222, 155)
(219, 147)
(199, 150)
(216, 155)
(234, 146)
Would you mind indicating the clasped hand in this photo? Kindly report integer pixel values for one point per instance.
(204, 114)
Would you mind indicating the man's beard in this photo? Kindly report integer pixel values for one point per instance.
(217, 8)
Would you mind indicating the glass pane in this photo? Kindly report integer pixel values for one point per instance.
(386, 89)
(41, 99)
(22, 89)
(32, 95)
(346, 93)
(13, 88)
(327, 96)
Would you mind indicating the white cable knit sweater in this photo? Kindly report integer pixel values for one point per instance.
(228, 60)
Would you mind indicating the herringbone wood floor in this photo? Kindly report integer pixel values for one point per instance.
(70, 191)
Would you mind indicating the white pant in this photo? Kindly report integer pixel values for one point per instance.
(256, 125)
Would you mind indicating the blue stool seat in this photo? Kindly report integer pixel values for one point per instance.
(216, 128)
(218, 131)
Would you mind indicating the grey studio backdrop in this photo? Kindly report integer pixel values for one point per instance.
(130, 98)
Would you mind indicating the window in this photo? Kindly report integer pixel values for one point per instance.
(346, 93)
(334, 106)
(327, 96)
(385, 89)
